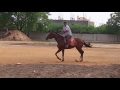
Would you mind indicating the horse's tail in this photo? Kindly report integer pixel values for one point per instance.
(87, 44)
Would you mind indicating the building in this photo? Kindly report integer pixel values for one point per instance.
(79, 21)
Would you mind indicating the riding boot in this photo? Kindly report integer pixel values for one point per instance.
(65, 40)
(66, 44)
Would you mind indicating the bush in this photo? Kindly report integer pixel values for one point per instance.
(56, 27)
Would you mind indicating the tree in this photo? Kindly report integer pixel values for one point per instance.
(23, 21)
(4, 19)
(43, 21)
(101, 29)
(113, 24)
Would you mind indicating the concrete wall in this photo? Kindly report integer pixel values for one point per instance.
(86, 37)
(38, 36)
(98, 37)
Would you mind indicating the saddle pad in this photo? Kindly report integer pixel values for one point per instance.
(72, 42)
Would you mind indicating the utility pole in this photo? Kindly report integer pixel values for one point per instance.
(83, 16)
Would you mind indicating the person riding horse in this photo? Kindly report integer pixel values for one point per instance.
(66, 33)
(78, 43)
(74, 42)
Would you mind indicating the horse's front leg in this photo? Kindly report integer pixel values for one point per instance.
(62, 55)
(57, 53)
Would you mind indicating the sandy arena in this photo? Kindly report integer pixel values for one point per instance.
(30, 60)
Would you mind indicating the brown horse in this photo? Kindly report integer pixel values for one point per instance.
(74, 42)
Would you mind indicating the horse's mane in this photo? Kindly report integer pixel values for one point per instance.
(58, 34)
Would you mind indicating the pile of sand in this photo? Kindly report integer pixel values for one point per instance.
(15, 35)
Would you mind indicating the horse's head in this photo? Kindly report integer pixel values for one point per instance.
(50, 36)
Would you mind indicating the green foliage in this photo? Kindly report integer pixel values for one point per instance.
(43, 22)
(39, 22)
(101, 30)
(24, 21)
(56, 27)
(113, 24)
(5, 19)
(81, 29)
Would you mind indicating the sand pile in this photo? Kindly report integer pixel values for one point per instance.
(15, 35)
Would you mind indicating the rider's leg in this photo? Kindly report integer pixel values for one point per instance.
(67, 40)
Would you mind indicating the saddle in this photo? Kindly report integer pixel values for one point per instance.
(72, 41)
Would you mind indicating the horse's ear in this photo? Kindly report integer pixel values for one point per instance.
(55, 32)
(51, 32)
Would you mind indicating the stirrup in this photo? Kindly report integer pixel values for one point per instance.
(66, 46)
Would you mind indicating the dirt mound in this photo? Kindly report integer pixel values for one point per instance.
(15, 35)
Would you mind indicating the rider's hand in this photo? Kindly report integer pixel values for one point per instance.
(61, 32)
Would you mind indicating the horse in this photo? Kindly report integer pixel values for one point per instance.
(74, 42)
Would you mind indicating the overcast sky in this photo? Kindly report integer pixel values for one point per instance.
(97, 17)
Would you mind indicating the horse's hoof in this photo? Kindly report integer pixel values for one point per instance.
(59, 58)
(76, 60)
(81, 60)
(62, 60)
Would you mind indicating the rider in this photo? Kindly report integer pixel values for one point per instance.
(66, 33)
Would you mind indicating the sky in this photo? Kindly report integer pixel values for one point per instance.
(97, 17)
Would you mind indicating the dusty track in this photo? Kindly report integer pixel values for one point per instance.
(40, 61)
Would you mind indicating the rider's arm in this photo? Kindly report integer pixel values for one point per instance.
(64, 31)
(67, 29)
(61, 32)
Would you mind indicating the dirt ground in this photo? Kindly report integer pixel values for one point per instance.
(37, 60)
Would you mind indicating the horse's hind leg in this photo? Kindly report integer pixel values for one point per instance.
(57, 53)
(81, 52)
